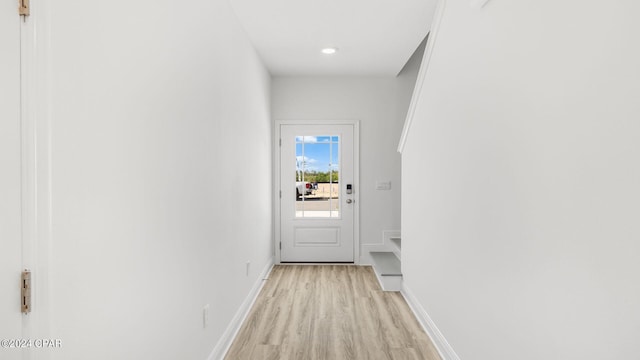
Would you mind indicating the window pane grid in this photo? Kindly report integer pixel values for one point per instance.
(317, 176)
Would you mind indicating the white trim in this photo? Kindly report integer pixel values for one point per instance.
(276, 192)
(424, 67)
(356, 180)
(36, 163)
(444, 349)
(223, 345)
(28, 144)
(28, 169)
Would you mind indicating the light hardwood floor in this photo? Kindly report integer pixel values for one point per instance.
(329, 312)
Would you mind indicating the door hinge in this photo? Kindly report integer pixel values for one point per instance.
(25, 291)
(280, 245)
(280, 194)
(23, 8)
(280, 142)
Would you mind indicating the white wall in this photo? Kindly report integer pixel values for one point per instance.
(372, 101)
(520, 181)
(160, 121)
(10, 178)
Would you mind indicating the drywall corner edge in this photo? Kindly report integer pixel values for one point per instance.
(424, 66)
(442, 345)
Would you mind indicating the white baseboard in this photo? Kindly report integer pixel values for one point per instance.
(444, 349)
(230, 333)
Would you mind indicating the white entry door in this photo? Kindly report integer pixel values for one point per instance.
(317, 201)
(10, 179)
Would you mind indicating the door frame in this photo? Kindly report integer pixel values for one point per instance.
(276, 181)
(36, 172)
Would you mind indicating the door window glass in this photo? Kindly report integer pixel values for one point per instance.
(318, 176)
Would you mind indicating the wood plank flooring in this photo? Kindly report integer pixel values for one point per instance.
(329, 312)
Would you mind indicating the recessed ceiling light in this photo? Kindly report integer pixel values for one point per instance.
(329, 50)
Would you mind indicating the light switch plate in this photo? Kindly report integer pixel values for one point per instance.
(383, 185)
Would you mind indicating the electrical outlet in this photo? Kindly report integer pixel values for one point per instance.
(205, 316)
(248, 266)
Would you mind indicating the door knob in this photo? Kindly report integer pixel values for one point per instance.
(349, 201)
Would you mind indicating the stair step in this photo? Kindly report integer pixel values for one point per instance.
(386, 263)
(397, 242)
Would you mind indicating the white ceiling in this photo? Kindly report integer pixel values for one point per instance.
(374, 37)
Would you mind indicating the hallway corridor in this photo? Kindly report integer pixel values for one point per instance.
(329, 312)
